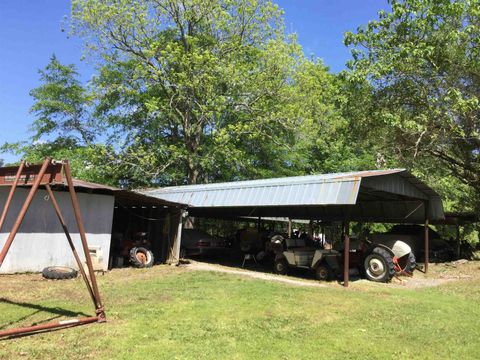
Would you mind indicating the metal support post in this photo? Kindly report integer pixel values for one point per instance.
(346, 253)
(426, 245)
(83, 237)
(458, 240)
(10, 194)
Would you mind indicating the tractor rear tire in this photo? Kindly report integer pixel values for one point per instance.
(141, 257)
(280, 267)
(379, 265)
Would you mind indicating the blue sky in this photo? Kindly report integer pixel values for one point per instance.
(31, 31)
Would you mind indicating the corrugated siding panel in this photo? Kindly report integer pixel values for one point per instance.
(395, 185)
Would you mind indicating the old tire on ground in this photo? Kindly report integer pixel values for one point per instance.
(141, 257)
(323, 272)
(280, 267)
(59, 273)
(408, 263)
(379, 265)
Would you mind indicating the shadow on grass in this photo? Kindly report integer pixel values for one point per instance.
(56, 311)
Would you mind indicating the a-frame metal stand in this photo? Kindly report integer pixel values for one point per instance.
(47, 174)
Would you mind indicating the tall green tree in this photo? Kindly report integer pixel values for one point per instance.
(192, 91)
(191, 87)
(422, 60)
(62, 106)
(327, 138)
(64, 125)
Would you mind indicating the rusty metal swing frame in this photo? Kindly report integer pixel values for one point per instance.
(49, 173)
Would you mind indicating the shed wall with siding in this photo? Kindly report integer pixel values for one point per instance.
(41, 241)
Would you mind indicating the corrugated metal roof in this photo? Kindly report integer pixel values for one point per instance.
(299, 190)
(92, 185)
(323, 189)
(122, 195)
(383, 194)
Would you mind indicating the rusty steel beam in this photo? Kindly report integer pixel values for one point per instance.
(346, 254)
(70, 242)
(10, 194)
(457, 237)
(53, 174)
(39, 179)
(24, 209)
(426, 260)
(83, 237)
(49, 326)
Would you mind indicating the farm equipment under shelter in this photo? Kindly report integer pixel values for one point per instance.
(373, 196)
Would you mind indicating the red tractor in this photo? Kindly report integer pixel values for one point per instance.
(380, 262)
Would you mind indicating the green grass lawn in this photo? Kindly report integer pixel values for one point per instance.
(173, 313)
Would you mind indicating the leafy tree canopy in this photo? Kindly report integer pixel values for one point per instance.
(191, 87)
(422, 61)
(195, 91)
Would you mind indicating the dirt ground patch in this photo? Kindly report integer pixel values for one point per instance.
(201, 266)
(438, 274)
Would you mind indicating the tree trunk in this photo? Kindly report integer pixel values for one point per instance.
(193, 172)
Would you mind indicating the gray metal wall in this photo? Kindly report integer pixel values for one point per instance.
(41, 242)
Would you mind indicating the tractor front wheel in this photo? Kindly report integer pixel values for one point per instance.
(323, 272)
(280, 266)
(407, 263)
